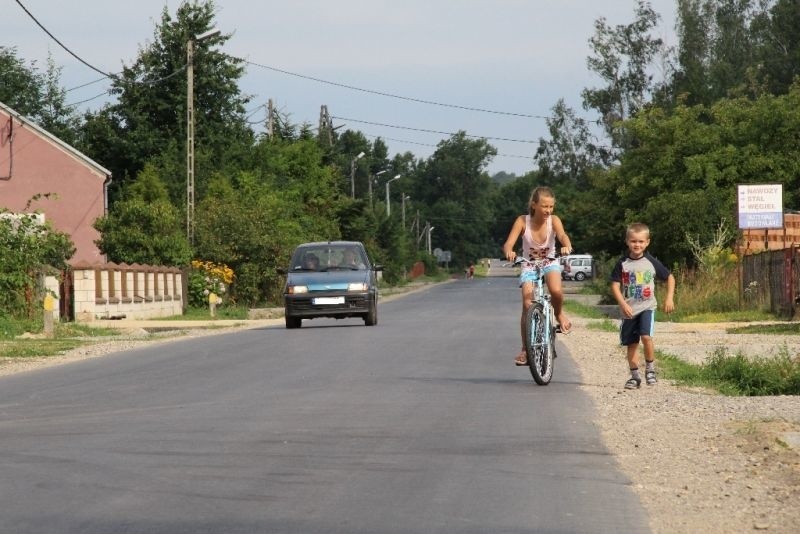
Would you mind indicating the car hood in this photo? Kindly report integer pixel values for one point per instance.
(327, 280)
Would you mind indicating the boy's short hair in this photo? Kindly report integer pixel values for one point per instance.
(635, 228)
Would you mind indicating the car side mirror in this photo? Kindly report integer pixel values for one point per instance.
(377, 267)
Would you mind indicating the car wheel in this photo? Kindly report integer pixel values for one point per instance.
(371, 317)
(293, 322)
(580, 277)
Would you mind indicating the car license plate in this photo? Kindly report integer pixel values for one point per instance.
(329, 300)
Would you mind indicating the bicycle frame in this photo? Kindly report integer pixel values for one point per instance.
(539, 326)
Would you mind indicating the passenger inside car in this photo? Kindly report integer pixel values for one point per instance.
(311, 262)
(350, 260)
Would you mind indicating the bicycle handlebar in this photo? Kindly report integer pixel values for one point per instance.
(519, 260)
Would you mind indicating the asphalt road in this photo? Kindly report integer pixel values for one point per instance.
(420, 424)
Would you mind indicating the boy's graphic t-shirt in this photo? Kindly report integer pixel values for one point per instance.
(637, 278)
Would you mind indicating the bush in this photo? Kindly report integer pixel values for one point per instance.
(28, 250)
(205, 278)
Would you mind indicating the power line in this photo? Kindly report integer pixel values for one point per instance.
(390, 95)
(434, 131)
(319, 80)
(436, 146)
(87, 100)
(85, 84)
(53, 37)
(113, 76)
(157, 80)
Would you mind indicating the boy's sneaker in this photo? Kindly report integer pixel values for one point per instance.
(633, 383)
(650, 378)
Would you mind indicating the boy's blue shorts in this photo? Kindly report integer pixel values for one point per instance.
(641, 324)
(530, 275)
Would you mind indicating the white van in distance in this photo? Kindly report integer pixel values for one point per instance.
(577, 267)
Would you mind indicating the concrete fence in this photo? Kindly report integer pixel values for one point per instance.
(116, 291)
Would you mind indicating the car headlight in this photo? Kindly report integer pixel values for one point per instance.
(357, 287)
(294, 290)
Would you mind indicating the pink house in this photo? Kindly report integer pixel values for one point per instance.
(71, 188)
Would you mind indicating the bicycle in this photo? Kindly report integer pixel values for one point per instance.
(540, 327)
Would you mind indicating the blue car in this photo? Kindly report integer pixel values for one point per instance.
(330, 279)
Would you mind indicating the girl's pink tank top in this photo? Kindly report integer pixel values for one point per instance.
(534, 250)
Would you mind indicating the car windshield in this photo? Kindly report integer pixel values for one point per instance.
(328, 257)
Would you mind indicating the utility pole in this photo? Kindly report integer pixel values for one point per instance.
(190, 141)
(422, 233)
(388, 202)
(325, 124)
(270, 119)
(190, 128)
(415, 227)
(353, 174)
(376, 183)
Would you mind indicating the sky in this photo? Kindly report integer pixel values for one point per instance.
(511, 56)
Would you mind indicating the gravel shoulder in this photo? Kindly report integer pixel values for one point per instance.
(699, 461)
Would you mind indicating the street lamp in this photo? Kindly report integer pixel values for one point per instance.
(388, 205)
(376, 183)
(190, 128)
(430, 229)
(405, 197)
(353, 174)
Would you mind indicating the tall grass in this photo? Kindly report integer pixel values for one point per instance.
(704, 291)
(701, 295)
(737, 374)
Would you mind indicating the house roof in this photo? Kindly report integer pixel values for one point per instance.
(77, 154)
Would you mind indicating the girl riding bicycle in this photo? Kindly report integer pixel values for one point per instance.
(539, 230)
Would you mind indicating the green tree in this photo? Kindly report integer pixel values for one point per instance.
(144, 227)
(778, 53)
(27, 250)
(621, 57)
(570, 152)
(732, 48)
(150, 112)
(252, 221)
(682, 176)
(454, 192)
(37, 95)
(690, 81)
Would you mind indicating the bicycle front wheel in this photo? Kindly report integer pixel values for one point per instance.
(538, 342)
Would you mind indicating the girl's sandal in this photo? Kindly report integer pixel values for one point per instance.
(523, 361)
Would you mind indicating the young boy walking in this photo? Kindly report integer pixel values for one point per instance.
(633, 286)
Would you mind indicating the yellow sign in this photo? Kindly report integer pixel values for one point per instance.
(49, 303)
(213, 298)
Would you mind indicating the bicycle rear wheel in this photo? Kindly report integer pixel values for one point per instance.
(539, 347)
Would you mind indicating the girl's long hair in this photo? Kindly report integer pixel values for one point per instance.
(537, 193)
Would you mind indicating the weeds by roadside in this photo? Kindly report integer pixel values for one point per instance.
(781, 329)
(736, 374)
(584, 310)
(203, 314)
(729, 374)
(67, 337)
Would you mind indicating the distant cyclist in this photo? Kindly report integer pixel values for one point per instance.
(539, 230)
